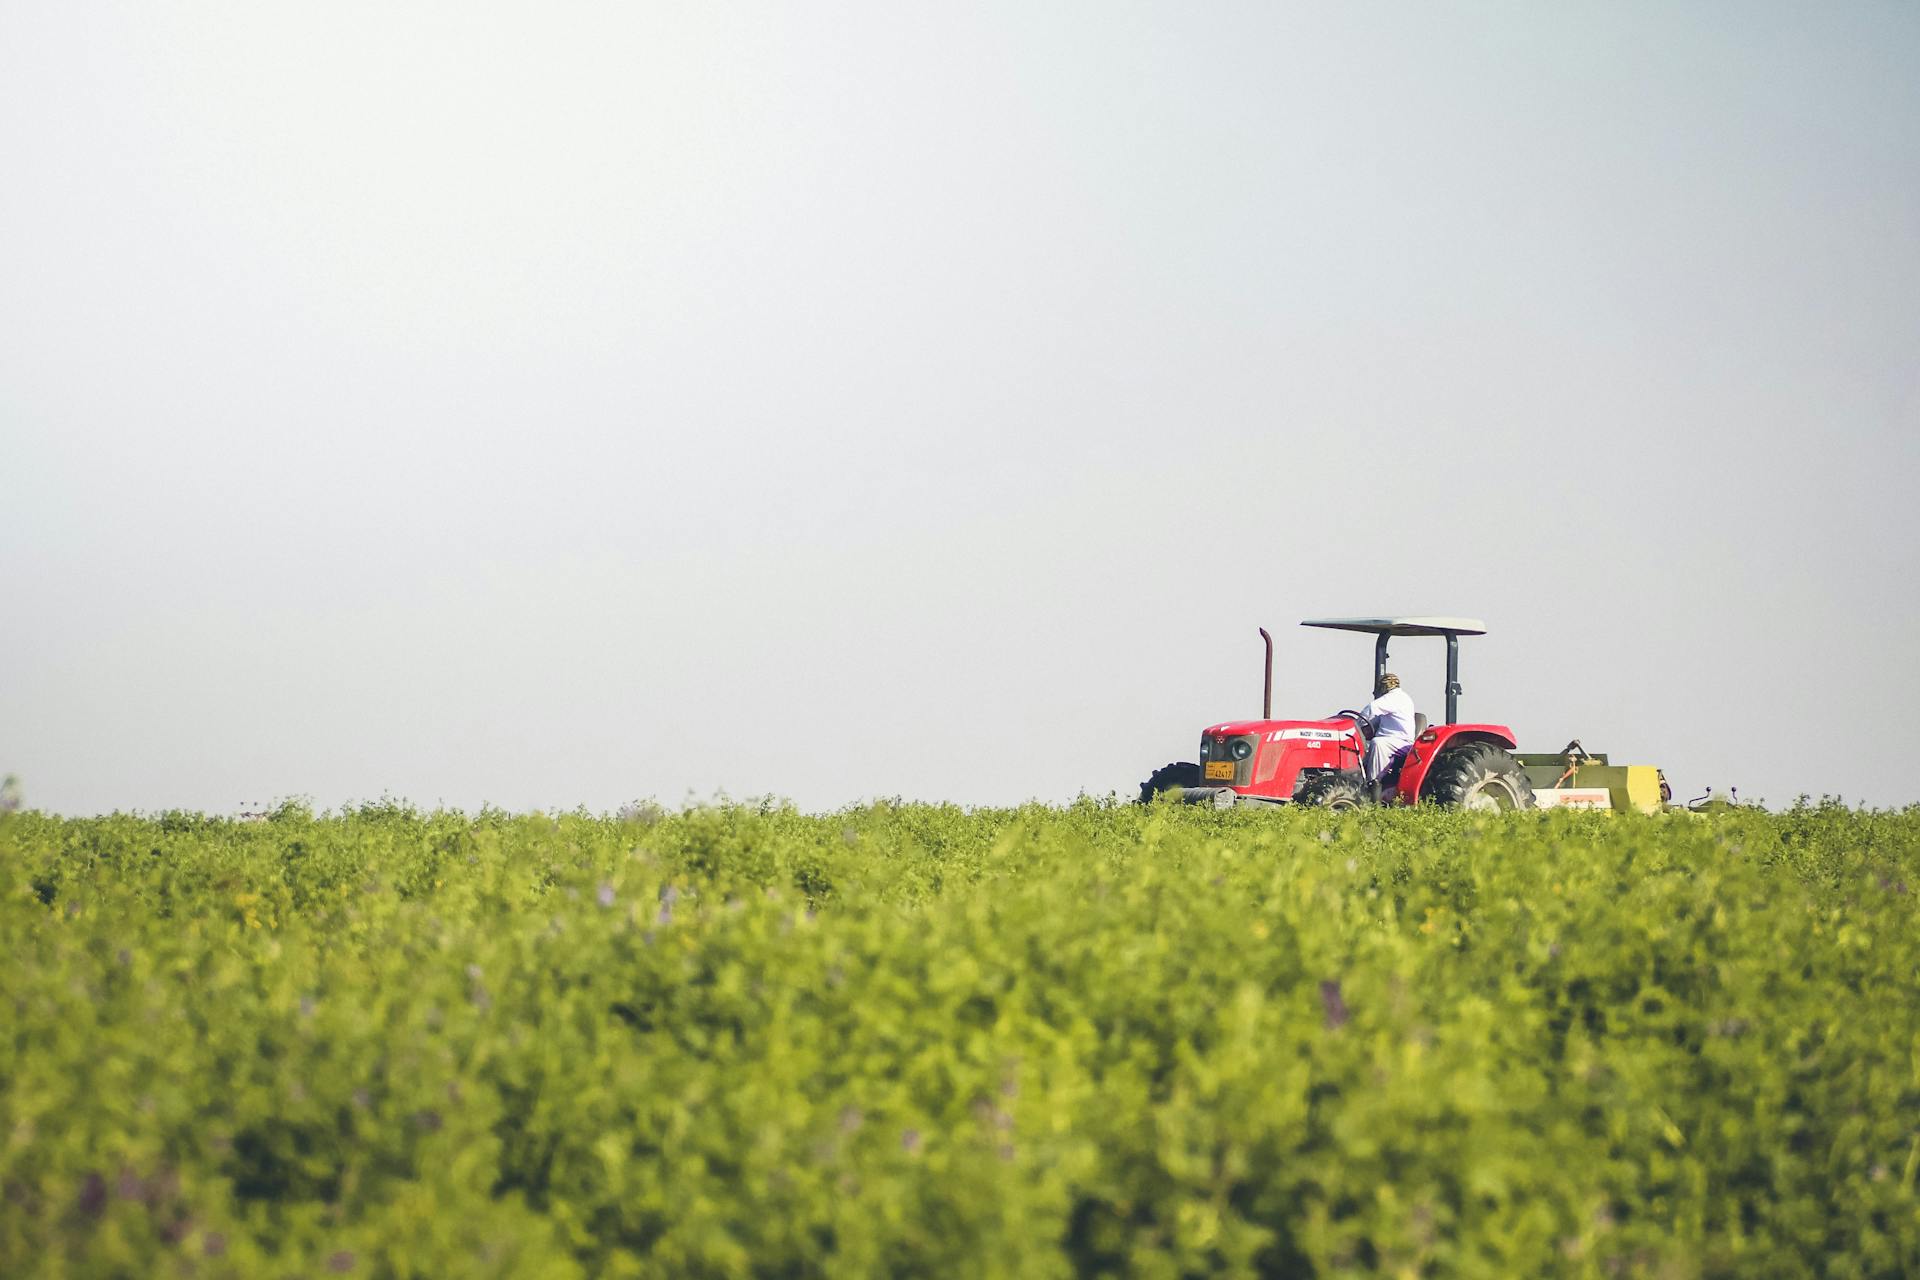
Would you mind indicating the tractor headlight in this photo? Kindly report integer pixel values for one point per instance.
(1206, 747)
(1242, 748)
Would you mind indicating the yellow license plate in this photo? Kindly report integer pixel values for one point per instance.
(1220, 769)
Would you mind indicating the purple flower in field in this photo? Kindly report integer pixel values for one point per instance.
(93, 1195)
(1334, 1005)
(605, 896)
(910, 1142)
(216, 1244)
(669, 895)
(342, 1260)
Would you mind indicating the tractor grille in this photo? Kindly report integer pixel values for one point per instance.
(1237, 750)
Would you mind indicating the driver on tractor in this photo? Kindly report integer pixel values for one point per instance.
(1389, 719)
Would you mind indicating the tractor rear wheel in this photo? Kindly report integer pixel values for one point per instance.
(1335, 791)
(1478, 775)
(1170, 777)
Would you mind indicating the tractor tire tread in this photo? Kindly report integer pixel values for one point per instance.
(1463, 770)
(1344, 790)
(1175, 775)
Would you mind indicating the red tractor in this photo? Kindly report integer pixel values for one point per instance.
(1318, 762)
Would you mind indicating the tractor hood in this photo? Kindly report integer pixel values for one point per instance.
(1270, 759)
(1280, 730)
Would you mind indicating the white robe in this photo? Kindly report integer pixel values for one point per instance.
(1391, 715)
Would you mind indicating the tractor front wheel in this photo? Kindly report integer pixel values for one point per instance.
(1170, 777)
(1478, 775)
(1336, 791)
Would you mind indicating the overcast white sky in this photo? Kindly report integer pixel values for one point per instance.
(563, 404)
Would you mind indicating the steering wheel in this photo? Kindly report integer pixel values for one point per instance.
(1358, 721)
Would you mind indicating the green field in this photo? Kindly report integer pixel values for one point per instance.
(917, 1040)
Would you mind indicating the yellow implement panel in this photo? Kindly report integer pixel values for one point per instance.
(1642, 788)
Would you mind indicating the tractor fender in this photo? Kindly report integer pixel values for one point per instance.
(1435, 742)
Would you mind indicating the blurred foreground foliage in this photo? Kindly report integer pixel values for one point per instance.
(909, 1039)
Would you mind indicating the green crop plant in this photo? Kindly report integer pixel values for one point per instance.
(908, 1039)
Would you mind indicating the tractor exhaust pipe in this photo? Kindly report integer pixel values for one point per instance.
(1266, 693)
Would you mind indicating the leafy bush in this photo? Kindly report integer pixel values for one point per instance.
(915, 1039)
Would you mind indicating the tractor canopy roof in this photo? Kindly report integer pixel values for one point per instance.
(1423, 626)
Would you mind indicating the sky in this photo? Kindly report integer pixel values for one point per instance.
(569, 404)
